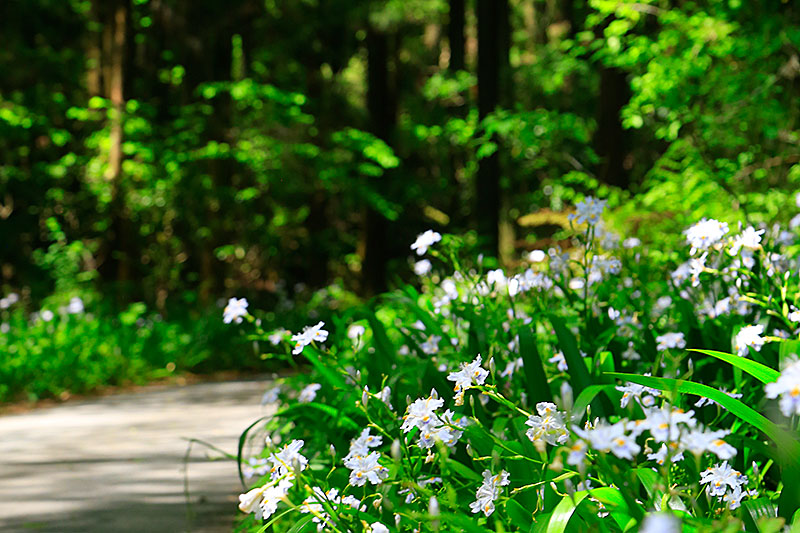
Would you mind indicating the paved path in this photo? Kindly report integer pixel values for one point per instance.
(115, 464)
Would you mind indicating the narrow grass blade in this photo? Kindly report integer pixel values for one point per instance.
(761, 372)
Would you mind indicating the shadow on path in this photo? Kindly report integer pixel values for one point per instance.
(116, 464)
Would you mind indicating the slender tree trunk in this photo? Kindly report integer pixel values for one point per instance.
(611, 139)
(455, 34)
(492, 65)
(382, 108)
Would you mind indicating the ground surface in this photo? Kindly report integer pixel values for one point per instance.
(116, 464)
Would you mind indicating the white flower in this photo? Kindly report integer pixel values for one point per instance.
(47, 315)
(263, 501)
(661, 522)
(355, 331)
(670, 340)
(425, 240)
(577, 453)
(681, 274)
(749, 336)
(496, 278)
(488, 492)
(537, 256)
(277, 336)
(470, 373)
(661, 455)
(697, 265)
(431, 345)
(309, 393)
(588, 211)
(630, 353)
(377, 527)
(726, 484)
(422, 267)
(75, 306)
(271, 395)
(512, 367)
(631, 242)
(422, 412)
(309, 334)
(385, 395)
(286, 459)
(366, 468)
(611, 439)
(705, 234)
(663, 423)
(235, 310)
(645, 396)
(788, 388)
(361, 445)
(560, 361)
(749, 239)
(548, 425)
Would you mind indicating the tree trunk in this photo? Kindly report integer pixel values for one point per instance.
(492, 66)
(382, 108)
(455, 34)
(611, 139)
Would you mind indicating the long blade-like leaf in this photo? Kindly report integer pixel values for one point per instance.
(787, 444)
(535, 379)
(761, 372)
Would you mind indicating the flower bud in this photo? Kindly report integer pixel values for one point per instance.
(365, 396)
(396, 450)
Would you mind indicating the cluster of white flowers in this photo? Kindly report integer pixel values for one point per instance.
(9, 300)
(309, 334)
(705, 234)
(788, 388)
(548, 426)
(675, 429)
(489, 491)
(263, 501)
(362, 462)
(422, 414)
(749, 336)
(588, 211)
(670, 340)
(727, 484)
(425, 240)
(470, 374)
(235, 310)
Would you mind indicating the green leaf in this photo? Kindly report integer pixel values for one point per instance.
(240, 447)
(757, 511)
(341, 420)
(761, 372)
(586, 397)
(564, 511)
(385, 352)
(333, 378)
(535, 378)
(519, 516)
(579, 375)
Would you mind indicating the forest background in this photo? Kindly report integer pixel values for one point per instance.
(160, 156)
